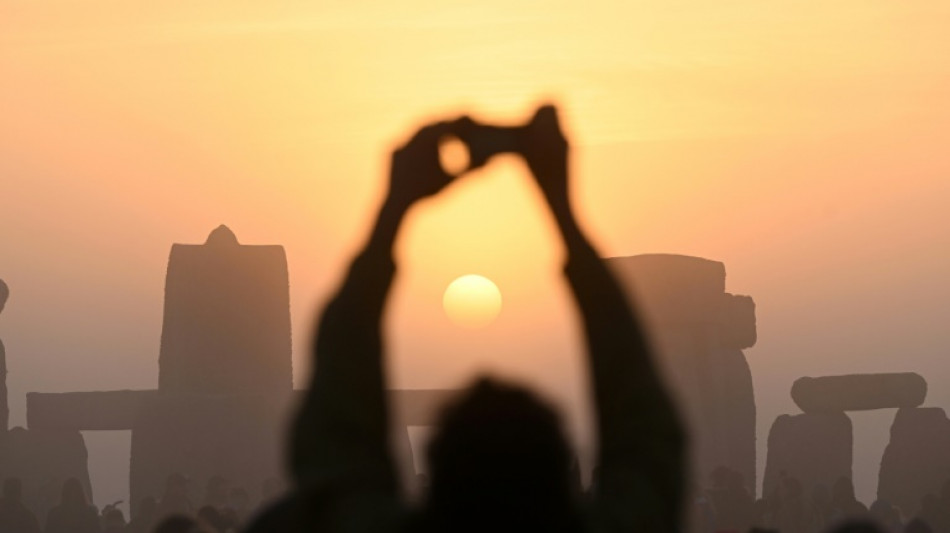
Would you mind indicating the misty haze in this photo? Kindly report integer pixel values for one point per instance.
(492, 266)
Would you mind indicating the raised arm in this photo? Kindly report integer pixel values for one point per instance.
(340, 450)
(641, 441)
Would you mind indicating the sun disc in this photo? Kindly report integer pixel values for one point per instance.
(472, 301)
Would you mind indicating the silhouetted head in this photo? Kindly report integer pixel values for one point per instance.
(211, 518)
(180, 524)
(12, 489)
(216, 492)
(917, 526)
(843, 490)
(857, 526)
(73, 495)
(499, 461)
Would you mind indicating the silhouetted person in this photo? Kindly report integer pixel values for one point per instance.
(856, 526)
(930, 512)
(14, 516)
(73, 514)
(239, 504)
(175, 499)
(180, 524)
(113, 521)
(886, 516)
(844, 502)
(823, 511)
(732, 502)
(143, 520)
(216, 492)
(499, 460)
(211, 518)
(917, 526)
(791, 511)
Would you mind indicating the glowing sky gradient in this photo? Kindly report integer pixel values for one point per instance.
(804, 144)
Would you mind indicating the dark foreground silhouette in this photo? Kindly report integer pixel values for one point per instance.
(499, 461)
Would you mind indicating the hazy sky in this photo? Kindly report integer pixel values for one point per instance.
(804, 144)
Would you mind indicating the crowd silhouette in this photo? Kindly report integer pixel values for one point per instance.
(499, 460)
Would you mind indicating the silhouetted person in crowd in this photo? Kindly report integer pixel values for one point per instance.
(917, 526)
(213, 519)
(216, 492)
(499, 460)
(239, 504)
(180, 524)
(14, 516)
(144, 517)
(930, 512)
(271, 490)
(732, 503)
(886, 516)
(113, 521)
(73, 514)
(791, 511)
(856, 526)
(175, 499)
(843, 501)
(822, 509)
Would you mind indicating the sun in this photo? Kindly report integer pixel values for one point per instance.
(472, 301)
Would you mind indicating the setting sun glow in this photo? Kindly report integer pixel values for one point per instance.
(472, 301)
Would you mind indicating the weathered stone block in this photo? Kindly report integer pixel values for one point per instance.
(44, 460)
(240, 438)
(226, 327)
(104, 410)
(916, 461)
(859, 392)
(698, 331)
(815, 448)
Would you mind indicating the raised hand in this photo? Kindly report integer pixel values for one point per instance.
(416, 171)
(545, 150)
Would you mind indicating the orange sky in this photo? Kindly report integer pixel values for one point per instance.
(801, 143)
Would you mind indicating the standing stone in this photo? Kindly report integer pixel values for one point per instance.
(225, 373)
(916, 461)
(226, 327)
(815, 448)
(42, 459)
(699, 332)
(4, 405)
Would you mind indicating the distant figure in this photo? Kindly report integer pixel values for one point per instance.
(181, 524)
(73, 514)
(917, 526)
(844, 502)
(213, 519)
(113, 521)
(271, 490)
(216, 492)
(239, 504)
(14, 516)
(791, 511)
(733, 504)
(886, 516)
(856, 526)
(175, 498)
(499, 461)
(143, 521)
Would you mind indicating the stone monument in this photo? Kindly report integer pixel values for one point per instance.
(225, 385)
(699, 331)
(42, 459)
(816, 446)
